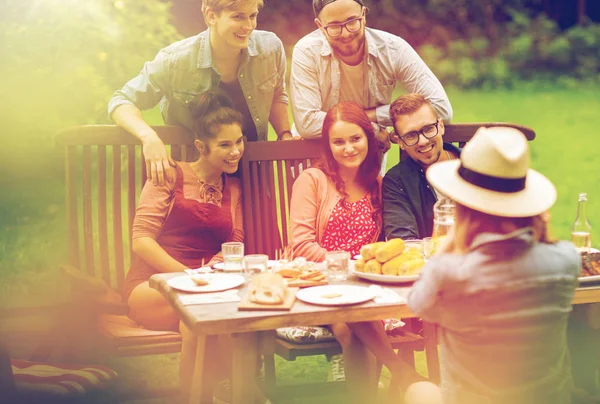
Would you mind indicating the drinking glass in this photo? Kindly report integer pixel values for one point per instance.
(255, 264)
(428, 247)
(336, 265)
(233, 252)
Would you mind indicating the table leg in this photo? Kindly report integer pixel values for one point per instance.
(244, 373)
(197, 391)
(431, 352)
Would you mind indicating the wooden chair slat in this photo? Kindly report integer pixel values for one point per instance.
(143, 172)
(113, 135)
(176, 152)
(131, 194)
(88, 230)
(283, 202)
(71, 184)
(117, 219)
(259, 242)
(102, 216)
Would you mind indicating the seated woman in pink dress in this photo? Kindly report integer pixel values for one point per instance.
(337, 206)
(182, 224)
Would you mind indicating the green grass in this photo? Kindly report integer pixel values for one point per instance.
(32, 229)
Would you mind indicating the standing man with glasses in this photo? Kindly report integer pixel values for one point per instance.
(343, 60)
(408, 198)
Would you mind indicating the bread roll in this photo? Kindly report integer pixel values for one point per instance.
(368, 251)
(267, 288)
(373, 267)
(389, 250)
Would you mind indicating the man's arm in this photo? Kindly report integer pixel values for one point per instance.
(143, 92)
(305, 95)
(398, 218)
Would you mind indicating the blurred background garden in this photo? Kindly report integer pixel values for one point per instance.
(532, 62)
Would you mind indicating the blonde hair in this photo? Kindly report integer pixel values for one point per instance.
(217, 6)
(470, 222)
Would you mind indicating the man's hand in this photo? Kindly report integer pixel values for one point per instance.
(383, 140)
(158, 162)
(288, 136)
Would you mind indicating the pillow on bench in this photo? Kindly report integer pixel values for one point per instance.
(59, 380)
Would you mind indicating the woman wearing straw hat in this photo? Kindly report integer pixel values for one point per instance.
(500, 289)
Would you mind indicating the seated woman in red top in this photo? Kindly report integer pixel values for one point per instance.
(337, 206)
(180, 225)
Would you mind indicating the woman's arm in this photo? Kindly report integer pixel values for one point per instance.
(304, 208)
(237, 233)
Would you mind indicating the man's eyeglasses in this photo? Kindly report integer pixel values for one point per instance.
(429, 131)
(352, 25)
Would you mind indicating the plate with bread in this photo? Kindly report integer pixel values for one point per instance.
(204, 283)
(393, 261)
(335, 295)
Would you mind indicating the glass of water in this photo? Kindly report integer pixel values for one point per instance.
(336, 265)
(255, 264)
(233, 252)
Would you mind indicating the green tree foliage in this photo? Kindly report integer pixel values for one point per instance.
(62, 60)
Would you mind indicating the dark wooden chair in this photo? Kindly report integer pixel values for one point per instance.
(268, 171)
(104, 174)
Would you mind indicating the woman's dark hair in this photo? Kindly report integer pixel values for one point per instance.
(368, 171)
(210, 110)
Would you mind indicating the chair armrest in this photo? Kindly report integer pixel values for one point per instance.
(93, 293)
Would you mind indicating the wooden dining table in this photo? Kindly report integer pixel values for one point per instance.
(245, 327)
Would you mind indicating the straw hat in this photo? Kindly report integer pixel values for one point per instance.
(493, 176)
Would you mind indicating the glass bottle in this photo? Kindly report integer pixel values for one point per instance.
(443, 217)
(581, 234)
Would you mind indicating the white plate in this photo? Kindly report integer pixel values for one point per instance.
(350, 294)
(221, 266)
(386, 278)
(216, 283)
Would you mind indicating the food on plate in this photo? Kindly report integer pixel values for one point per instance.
(267, 288)
(359, 265)
(368, 250)
(310, 274)
(289, 272)
(411, 267)
(394, 257)
(373, 267)
(331, 295)
(389, 250)
(590, 264)
(200, 280)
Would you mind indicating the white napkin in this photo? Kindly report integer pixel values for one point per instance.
(204, 298)
(384, 295)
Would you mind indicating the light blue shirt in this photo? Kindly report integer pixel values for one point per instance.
(185, 69)
(502, 311)
(315, 79)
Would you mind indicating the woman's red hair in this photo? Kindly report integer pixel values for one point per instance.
(368, 172)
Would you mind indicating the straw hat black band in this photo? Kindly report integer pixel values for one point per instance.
(507, 185)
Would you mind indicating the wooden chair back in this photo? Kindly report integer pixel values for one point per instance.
(268, 171)
(104, 174)
(461, 133)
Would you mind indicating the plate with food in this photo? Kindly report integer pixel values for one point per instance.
(221, 266)
(393, 261)
(204, 283)
(335, 295)
(590, 267)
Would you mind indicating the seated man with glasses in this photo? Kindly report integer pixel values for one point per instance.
(343, 60)
(408, 198)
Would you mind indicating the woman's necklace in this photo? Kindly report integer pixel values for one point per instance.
(448, 155)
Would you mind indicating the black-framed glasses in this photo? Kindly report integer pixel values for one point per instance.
(352, 25)
(429, 131)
